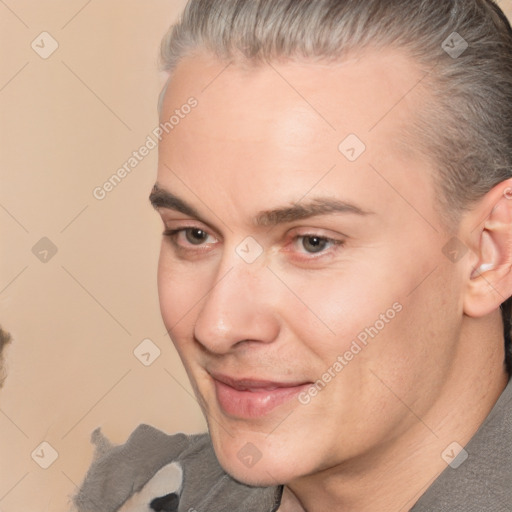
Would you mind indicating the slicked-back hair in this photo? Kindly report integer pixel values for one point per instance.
(465, 127)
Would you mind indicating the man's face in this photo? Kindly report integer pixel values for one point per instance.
(300, 262)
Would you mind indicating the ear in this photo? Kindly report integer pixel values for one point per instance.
(490, 280)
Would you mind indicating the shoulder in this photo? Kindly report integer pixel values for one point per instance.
(483, 480)
(153, 467)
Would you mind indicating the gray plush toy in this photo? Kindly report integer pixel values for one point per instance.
(160, 494)
(157, 472)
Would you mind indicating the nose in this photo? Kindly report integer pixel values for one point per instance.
(239, 309)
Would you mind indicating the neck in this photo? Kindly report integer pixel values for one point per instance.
(394, 476)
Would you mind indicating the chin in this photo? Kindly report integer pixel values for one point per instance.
(258, 475)
(250, 466)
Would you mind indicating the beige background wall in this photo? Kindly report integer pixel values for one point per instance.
(68, 122)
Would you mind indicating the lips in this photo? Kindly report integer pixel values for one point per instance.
(253, 398)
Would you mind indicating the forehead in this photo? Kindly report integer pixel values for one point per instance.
(358, 92)
(280, 127)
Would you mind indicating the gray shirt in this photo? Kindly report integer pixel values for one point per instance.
(483, 482)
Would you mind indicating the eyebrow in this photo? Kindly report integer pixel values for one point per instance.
(316, 207)
(161, 198)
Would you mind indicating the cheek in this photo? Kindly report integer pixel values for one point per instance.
(340, 304)
(411, 348)
(378, 306)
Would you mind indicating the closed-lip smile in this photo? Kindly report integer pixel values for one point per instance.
(248, 397)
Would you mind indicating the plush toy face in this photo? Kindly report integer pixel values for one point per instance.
(160, 494)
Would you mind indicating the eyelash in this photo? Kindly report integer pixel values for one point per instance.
(172, 234)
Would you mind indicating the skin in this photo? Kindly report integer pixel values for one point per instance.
(372, 438)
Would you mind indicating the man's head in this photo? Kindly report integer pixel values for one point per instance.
(337, 219)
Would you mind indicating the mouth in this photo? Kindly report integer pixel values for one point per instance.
(253, 398)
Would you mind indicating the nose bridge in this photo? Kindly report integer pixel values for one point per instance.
(237, 307)
(231, 284)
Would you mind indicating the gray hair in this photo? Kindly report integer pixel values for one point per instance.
(471, 140)
(463, 46)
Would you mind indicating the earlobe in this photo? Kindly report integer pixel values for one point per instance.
(490, 280)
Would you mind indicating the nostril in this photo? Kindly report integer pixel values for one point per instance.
(168, 503)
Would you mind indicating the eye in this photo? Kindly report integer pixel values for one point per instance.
(184, 237)
(195, 236)
(314, 244)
